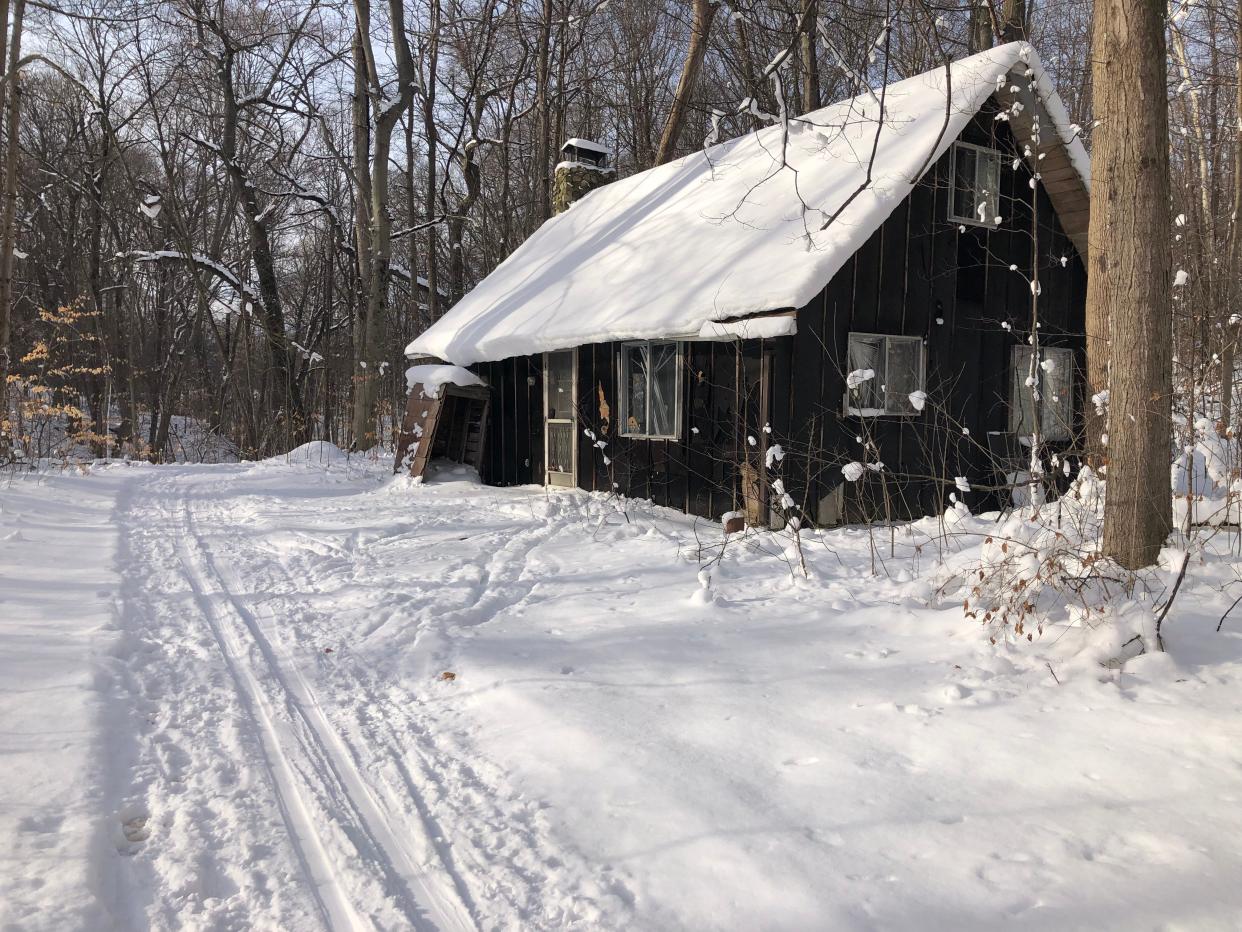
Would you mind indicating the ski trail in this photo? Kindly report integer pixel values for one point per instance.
(398, 859)
(303, 742)
(334, 905)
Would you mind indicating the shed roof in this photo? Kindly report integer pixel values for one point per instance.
(755, 224)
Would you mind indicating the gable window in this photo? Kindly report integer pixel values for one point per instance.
(884, 371)
(976, 185)
(651, 389)
(1044, 396)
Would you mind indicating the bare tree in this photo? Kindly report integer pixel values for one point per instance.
(10, 36)
(704, 11)
(1228, 354)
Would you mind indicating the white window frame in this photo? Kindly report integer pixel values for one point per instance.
(881, 378)
(1061, 427)
(980, 152)
(623, 393)
(557, 477)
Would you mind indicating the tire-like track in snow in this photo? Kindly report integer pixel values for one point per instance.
(348, 834)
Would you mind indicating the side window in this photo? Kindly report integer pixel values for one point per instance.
(884, 371)
(1042, 392)
(976, 185)
(651, 389)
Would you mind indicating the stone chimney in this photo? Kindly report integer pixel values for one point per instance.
(583, 168)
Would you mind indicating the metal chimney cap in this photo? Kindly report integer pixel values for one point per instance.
(584, 150)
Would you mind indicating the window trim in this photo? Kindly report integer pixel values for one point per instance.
(1015, 405)
(623, 396)
(991, 153)
(572, 420)
(848, 410)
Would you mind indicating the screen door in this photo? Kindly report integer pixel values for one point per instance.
(560, 434)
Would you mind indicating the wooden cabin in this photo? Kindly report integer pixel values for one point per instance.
(831, 319)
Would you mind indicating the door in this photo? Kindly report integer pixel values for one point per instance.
(560, 391)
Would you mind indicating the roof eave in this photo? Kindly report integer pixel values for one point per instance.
(1063, 182)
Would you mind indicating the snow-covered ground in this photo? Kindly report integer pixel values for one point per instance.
(225, 706)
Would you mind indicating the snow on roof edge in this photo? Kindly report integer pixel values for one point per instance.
(434, 376)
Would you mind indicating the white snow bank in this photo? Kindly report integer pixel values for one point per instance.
(721, 234)
(227, 708)
(63, 814)
(434, 377)
(316, 452)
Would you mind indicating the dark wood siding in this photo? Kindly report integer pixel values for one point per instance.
(514, 446)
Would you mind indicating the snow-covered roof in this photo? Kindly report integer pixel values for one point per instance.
(722, 234)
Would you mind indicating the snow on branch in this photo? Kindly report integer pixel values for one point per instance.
(199, 261)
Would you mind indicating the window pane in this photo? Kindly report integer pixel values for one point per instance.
(1058, 394)
(903, 374)
(1021, 398)
(663, 407)
(560, 447)
(634, 367)
(964, 182)
(866, 352)
(560, 381)
(987, 186)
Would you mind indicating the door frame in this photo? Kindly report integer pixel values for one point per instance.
(559, 479)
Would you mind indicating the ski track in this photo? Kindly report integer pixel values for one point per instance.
(368, 811)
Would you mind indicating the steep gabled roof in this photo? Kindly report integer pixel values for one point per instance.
(744, 227)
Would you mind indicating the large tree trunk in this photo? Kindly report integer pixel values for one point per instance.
(1228, 353)
(979, 36)
(1128, 285)
(700, 26)
(1014, 21)
(375, 247)
(8, 209)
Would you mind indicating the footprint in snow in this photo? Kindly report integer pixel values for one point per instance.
(134, 823)
(800, 761)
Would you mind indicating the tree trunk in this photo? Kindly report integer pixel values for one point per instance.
(264, 259)
(431, 133)
(375, 247)
(1014, 21)
(8, 209)
(700, 26)
(810, 64)
(979, 36)
(361, 115)
(1128, 286)
(747, 63)
(1228, 354)
(543, 130)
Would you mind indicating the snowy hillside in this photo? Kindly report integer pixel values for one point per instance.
(300, 694)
